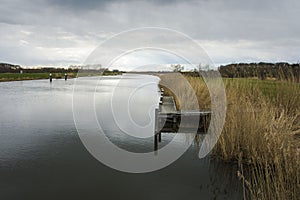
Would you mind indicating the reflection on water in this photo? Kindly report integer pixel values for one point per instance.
(42, 157)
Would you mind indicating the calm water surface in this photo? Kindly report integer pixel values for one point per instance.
(42, 157)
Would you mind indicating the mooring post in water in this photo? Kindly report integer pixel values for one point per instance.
(66, 76)
(50, 78)
(158, 127)
(159, 136)
(174, 122)
(156, 130)
(155, 142)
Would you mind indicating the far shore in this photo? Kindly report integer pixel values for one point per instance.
(7, 77)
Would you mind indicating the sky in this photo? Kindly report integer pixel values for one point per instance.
(61, 33)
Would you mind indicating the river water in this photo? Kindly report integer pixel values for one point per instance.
(42, 156)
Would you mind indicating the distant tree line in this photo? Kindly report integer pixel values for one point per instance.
(279, 71)
(87, 69)
(50, 70)
(10, 68)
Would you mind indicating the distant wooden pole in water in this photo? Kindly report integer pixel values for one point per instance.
(50, 78)
(66, 76)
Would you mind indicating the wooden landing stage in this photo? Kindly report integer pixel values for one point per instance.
(168, 119)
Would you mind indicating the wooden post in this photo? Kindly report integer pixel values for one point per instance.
(161, 100)
(159, 136)
(156, 130)
(174, 122)
(50, 78)
(155, 142)
(66, 76)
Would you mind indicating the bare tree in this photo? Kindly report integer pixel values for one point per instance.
(177, 67)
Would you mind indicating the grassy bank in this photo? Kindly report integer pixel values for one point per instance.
(261, 134)
(32, 76)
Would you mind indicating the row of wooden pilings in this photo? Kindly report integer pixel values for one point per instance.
(50, 77)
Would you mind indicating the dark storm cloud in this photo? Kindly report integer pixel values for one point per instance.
(230, 30)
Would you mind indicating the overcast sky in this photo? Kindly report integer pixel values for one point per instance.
(60, 33)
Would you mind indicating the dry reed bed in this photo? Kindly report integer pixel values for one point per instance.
(261, 133)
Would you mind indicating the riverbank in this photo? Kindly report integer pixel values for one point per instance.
(5, 77)
(261, 133)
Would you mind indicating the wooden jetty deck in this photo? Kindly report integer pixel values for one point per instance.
(168, 119)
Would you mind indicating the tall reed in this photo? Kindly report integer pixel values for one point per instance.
(261, 134)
